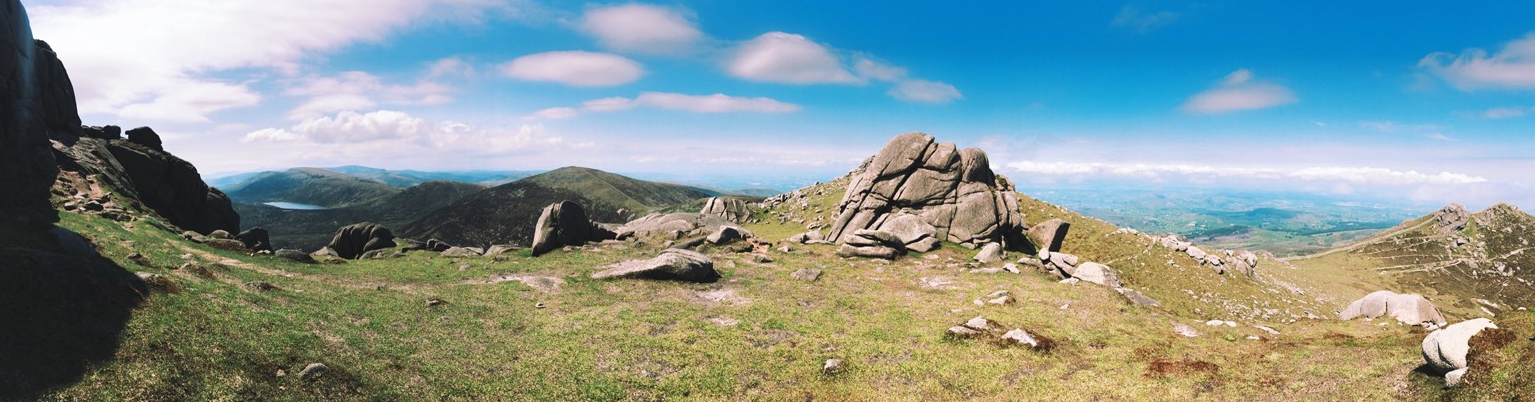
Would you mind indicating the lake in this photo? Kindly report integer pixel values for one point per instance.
(295, 205)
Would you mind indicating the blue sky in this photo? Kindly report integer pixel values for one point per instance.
(1430, 103)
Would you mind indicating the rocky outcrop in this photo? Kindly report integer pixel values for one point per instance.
(872, 244)
(353, 240)
(164, 183)
(1412, 309)
(953, 190)
(671, 264)
(914, 232)
(565, 224)
(732, 209)
(1451, 218)
(678, 225)
(256, 239)
(33, 93)
(147, 137)
(1445, 349)
(1049, 235)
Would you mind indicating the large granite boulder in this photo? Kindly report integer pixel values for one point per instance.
(1451, 218)
(28, 98)
(1445, 349)
(1049, 235)
(872, 244)
(732, 209)
(147, 137)
(677, 225)
(1411, 308)
(256, 239)
(1097, 273)
(353, 240)
(565, 224)
(914, 232)
(164, 183)
(671, 264)
(953, 190)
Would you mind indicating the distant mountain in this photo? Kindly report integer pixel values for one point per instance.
(311, 229)
(315, 186)
(507, 213)
(392, 178)
(1468, 264)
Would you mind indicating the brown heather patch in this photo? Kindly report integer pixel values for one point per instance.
(1167, 368)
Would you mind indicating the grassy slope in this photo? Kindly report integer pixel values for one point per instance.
(312, 229)
(217, 338)
(311, 186)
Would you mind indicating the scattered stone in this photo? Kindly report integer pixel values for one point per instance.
(1196, 253)
(1049, 235)
(960, 331)
(1020, 337)
(991, 253)
(1185, 330)
(1003, 300)
(1445, 349)
(460, 252)
(806, 274)
(434, 302)
(539, 305)
(1137, 298)
(220, 234)
(724, 235)
(1013, 268)
(313, 371)
(294, 255)
(1097, 273)
(761, 258)
(1271, 331)
(499, 249)
(261, 286)
(675, 264)
(1070, 281)
(1411, 309)
(464, 267)
(832, 367)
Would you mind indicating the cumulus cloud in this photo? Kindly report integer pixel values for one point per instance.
(553, 113)
(399, 133)
(1355, 175)
(164, 73)
(1504, 112)
(1513, 67)
(574, 68)
(641, 28)
(925, 91)
(787, 59)
(876, 70)
(716, 103)
(1237, 91)
(1131, 17)
(357, 90)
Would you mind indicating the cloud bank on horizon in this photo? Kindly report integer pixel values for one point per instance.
(1239, 94)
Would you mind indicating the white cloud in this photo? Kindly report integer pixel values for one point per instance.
(1504, 112)
(716, 103)
(870, 69)
(1356, 175)
(787, 59)
(162, 73)
(393, 133)
(925, 91)
(1237, 91)
(1511, 68)
(450, 66)
(191, 101)
(641, 28)
(553, 113)
(574, 68)
(357, 90)
(1130, 17)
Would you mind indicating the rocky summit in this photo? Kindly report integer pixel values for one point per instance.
(952, 190)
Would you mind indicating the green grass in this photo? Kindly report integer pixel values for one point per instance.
(219, 339)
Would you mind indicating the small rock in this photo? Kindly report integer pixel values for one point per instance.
(464, 267)
(433, 302)
(1020, 337)
(1070, 281)
(832, 366)
(1271, 331)
(761, 258)
(1185, 330)
(312, 371)
(261, 286)
(960, 331)
(1004, 300)
(1214, 323)
(990, 253)
(999, 293)
(806, 274)
(539, 305)
(1011, 268)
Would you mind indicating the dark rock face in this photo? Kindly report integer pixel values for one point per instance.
(353, 240)
(565, 224)
(256, 239)
(108, 132)
(147, 137)
(25, 158)
(60, 113)
(954, 190)
(173, 188)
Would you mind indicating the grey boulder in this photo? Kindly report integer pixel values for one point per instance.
(671, 264)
